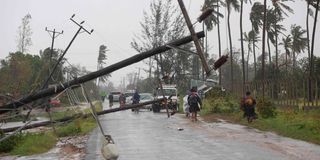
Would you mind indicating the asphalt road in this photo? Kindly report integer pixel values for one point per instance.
(150, 136)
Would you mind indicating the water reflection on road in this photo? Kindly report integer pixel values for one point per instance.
(147, 135)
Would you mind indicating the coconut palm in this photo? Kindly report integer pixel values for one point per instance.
(214, 19)
(316, 6)
(242, 48)
(235, 5)
(251, 38)
(102, 57)
(287, 43)
(280, 8)
(299, 43)
(263, 43)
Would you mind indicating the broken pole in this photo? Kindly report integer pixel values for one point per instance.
(194, 37)
(107, 70)
(69, 118)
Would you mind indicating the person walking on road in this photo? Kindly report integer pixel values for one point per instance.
(122, 100)
(248, 104)
(103, 95)
(110, 97)
(195, 103)
(136, 100)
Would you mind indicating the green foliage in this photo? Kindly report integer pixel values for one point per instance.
(34, 143)
(219, 102)
(77, 127)
(10, 143)
(21, 73)
(70, 129)
(266, 108)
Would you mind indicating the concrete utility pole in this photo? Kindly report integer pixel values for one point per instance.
(194, 37)
(53, 36)
(65, 51)
(60, 87)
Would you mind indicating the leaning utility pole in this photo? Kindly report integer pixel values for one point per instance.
(194, 37)
(65, 51)
(107, 70)
(53, 36)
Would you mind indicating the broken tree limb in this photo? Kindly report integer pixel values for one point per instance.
(69, 118)
(58, 88)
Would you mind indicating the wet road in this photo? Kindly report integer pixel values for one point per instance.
(155, 137)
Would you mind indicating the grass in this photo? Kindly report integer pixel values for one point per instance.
(294, 124)
(32, 143)
(36, 143)
(77, 127)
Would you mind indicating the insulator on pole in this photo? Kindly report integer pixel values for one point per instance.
(205, 14)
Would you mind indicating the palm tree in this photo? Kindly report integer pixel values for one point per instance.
(280, 8)
(313, 33)
(316, 6)
(299, 43)
(101, 61)
(248, 40)
(251, 38)
(214, 19)
(242, 48)
(287, 43)
(263, 43)
(231, 4)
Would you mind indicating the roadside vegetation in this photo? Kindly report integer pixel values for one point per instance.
(34, 143)
(293, 123)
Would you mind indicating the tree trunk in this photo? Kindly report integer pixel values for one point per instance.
(58, 88)
(231, 54)
(248, 56)
(277, 54)
(254, 54)
(269, 50)
(242, 51)
(309, 55)
(219, 41)
(313, 37)
(312, 43)
(263, 45)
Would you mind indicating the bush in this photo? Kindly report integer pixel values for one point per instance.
(220, 105)
(8, 144)
(266, 108)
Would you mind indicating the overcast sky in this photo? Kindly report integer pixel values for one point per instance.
(114, 23)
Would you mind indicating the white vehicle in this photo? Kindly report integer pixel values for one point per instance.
(170, 91)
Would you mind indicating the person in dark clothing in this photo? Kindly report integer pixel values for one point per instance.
(110, 97)
(122, 100)
(248, 104)
(136, 100)
(195, 103)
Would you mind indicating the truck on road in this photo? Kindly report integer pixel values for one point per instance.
(171, 92)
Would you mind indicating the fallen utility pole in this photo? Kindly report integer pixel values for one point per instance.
(194, 37)
(107, 70)
(69, 118)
